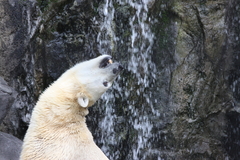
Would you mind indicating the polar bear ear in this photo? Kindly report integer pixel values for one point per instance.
(83, 101)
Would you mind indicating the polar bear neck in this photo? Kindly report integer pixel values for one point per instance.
(60, 104)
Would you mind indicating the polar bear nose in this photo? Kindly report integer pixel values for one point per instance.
(118, 69)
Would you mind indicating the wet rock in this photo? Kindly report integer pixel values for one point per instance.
(231, 139)
(6, 98)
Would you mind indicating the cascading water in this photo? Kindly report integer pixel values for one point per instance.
(106, 37)
(143, 74)
(178, 97)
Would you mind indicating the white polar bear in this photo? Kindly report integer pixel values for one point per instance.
(57, 129)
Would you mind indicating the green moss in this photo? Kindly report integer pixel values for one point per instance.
(43, 4)
(127, 33)
(203, 2)
(46, 4)
(160, 28)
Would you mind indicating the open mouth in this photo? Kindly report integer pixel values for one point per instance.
(118, 69)
(115, 71)
(108, 82)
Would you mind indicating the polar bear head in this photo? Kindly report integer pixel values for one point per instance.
(96, 76)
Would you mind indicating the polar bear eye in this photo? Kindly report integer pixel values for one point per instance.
(105, 62)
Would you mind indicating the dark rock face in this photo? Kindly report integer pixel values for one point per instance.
(199, 87)
(6, 98)
(178, 97)
(18, 25)
(231, 140)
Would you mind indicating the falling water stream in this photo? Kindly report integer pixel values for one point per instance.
(143, 71)
(178, 97)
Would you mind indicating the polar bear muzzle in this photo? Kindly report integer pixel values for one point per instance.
(114, 69)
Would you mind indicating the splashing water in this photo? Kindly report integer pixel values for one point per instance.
(143, 71)
(140, 58)
(106, 37)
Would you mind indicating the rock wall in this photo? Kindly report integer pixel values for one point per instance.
(179, 95)
(201, 79)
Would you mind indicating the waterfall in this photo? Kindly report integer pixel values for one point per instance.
(106, 37)
(179, 95)
(143, 71)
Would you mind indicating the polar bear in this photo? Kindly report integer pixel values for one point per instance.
(57, 129)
